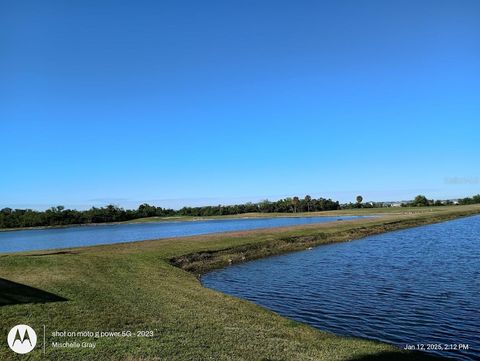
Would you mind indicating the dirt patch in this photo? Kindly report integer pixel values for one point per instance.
(51, 254)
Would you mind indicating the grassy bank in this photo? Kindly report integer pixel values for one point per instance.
(152, 285)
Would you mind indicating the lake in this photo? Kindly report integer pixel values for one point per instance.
(408, 287)
(89, 235)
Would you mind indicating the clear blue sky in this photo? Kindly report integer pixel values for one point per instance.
(197, 102)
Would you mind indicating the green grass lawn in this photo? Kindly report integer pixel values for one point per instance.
(134, 287)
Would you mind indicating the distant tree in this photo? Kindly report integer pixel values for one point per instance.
(420, 201)
(465, 201)
(7, 211)
(146, 210)
(295, 202)
(470, 200)
(359, 200)
(308, 199)
(265, 206)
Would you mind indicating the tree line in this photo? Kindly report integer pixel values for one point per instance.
(60, 216)
(422, 201)
(470, 200)
(287, 205)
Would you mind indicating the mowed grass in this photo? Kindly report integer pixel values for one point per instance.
(134, 287)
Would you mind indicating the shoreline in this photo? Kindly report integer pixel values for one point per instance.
(200, 263)
(178, 219)
(216, 233)
(200, 272)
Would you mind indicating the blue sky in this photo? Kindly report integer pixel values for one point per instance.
(207, 102)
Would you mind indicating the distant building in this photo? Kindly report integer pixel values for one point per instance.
(392, 204)
(450, 202)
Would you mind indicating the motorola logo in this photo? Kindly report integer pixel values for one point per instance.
(22, 339)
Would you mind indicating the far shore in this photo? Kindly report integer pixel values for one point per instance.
(178, 219)
(342, 212)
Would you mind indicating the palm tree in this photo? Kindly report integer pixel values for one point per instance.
(308, 199)
(295, 202)
(359, 201)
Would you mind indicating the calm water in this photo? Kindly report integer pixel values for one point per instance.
(106, 234)
(415, 286)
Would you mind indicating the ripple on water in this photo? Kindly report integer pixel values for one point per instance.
(420, 285)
